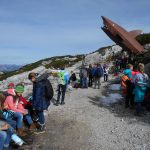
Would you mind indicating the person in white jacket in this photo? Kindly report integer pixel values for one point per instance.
(106, 72)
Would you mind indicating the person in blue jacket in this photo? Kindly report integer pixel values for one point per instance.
(40, 98)
(140, 80)
(97, 74)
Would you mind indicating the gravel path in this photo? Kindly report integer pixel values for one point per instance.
(84, 124)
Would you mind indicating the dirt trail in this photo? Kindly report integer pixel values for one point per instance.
(83, 124)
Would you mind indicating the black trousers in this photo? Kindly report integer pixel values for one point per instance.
(61, 92)
(90, 81)
(129, 101)
(105, 77)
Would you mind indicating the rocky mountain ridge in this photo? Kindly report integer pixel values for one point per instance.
(8, 68)
(68, 61)
(71, 63)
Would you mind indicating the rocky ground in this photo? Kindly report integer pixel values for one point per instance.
(85, 124)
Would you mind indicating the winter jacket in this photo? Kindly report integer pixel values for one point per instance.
(134, 73)
(11, 92)
(90, 72)
(93, 71)
(73, 77)
(98, 72)
(63, 77)
(128, 72)
(24, 101)
(13, 105)
(140, 82)
(106, 70)
(83, 73)
(40, 99)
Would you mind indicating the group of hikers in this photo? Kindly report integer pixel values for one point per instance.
(135, 86)
(15, 110)
(90, 77)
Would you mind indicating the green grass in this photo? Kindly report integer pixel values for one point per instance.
(55, 64)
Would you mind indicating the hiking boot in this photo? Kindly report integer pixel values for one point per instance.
(57, 103)
(40, 131)
(21, 133)
(32, 127)
(62, 103)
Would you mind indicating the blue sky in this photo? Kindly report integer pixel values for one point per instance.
(31, 30)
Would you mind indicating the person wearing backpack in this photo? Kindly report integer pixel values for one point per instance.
(42, 94)
(141, 82)
(63, 80)
(128, 72)
(98, 72)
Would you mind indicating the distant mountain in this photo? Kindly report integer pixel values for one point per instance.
(8, 68)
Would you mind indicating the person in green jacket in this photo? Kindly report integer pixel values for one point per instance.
(63, 79)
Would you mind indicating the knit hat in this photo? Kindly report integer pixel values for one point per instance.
(19, 89)
(11, 85)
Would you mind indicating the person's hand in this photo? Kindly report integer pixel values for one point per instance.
(5, 127)
(25, 112)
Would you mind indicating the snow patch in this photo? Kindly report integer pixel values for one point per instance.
(115, 87)
(110, 99)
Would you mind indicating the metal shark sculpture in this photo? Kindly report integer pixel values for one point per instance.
(122, 37)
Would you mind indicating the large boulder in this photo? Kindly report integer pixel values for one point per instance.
(21, 78)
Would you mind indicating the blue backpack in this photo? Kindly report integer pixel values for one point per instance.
(98, 72)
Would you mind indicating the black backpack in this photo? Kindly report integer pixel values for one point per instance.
(97, 72)
(49, 90)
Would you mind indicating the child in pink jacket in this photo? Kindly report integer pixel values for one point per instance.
(14, 104)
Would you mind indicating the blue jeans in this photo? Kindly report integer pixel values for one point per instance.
(84, 82)
(40, 114)
(18, 117)
(5, 137)
(11, 123)
(28, 118)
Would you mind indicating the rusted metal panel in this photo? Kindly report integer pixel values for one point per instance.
(122, 37)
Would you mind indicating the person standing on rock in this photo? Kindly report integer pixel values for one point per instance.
(63, 79)
(42, 94)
